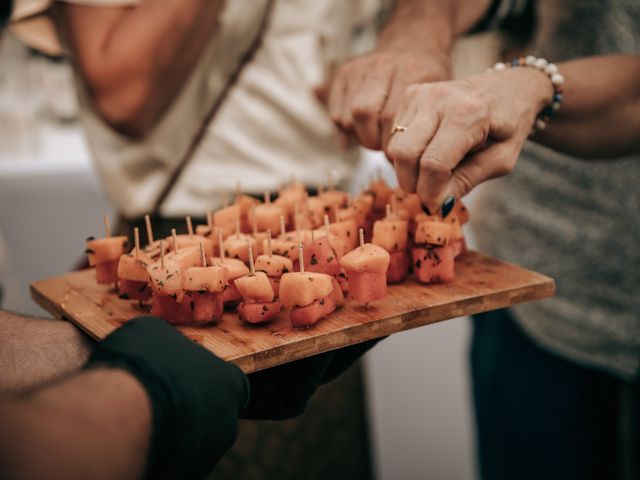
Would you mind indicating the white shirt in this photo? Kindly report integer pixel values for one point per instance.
(269, 128)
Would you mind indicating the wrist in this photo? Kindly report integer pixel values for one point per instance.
(546, 100)
(535, 86)
(419, 27)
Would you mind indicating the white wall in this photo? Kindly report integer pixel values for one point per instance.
(419, 405)
(49, 204)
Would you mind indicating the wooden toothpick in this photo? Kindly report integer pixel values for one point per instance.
(269, 250)
(327, 227)
(162, 253)
(147, 221)
(175, 240)
(237, 227)
(301, 257)
(136, 239)
(361, 232)
(107, 226)
(283, 230)
(252, 267)
(221, 246)
(388, 211)
(203, 257)
(254, 222)
(296, 220)
(189, 226)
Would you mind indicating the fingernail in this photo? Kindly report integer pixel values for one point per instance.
(426, 210)
(448, 205)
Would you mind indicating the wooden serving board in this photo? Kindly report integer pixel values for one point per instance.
(482, 283)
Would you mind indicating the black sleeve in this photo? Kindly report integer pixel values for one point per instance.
(283, 392)
(6, 7)
(195, 396)
(502, 13)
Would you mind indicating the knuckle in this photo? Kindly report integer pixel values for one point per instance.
(346, 123)
(464, 183)
(469, 108)
(503, 168)
(469, 138)
(413, 90)
(335, 116)
(402, 155)
(467, 105)
(362, 111)
(434, 90)
(368, 140)
(434, 166)
(387, 116)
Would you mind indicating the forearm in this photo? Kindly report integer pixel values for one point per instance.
(600, 112)
(136, 60)
(430, 25)
(93, 425)
(35, 351)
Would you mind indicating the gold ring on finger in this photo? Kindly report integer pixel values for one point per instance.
(397, 128)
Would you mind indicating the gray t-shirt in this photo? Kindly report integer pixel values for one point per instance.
(576, 220)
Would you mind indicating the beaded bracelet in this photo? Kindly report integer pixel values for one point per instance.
(557, 80)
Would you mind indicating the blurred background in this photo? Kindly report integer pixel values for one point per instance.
(417, 384)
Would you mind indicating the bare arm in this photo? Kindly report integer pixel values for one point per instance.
(93, 425)
(136, 60)
(167, 408)
(461, 133)
(600, 113)
(414, 47)
(34, 351)
(431, 24)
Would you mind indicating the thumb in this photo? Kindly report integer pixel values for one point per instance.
(496, 161)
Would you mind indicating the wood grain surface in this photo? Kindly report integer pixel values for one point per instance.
(482, 283)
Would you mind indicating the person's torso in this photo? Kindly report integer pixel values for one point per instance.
(271, 125)
(576, 220)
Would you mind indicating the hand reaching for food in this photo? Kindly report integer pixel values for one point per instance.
(448, 137)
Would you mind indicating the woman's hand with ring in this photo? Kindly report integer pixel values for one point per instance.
(463, 132)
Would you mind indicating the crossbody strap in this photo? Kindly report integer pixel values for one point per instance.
(215, 108)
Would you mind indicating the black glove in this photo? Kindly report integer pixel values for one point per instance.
(195, 396)
(283, 392)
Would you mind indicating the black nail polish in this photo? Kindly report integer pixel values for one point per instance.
(426, 210)
(448, 205)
